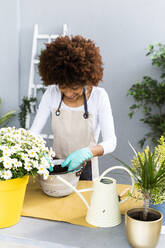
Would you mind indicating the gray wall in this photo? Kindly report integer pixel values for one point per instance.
(9, 55)
(122, 29)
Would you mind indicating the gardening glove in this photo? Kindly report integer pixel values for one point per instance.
(76, 158)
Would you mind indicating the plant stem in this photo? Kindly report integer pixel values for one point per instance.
(146, 207)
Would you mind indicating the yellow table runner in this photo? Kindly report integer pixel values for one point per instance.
(68, 209)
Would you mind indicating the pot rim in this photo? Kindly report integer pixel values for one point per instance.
(15, 179)
(65, 172)
(143, 221)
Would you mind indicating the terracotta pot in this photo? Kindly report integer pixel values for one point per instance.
(143, 234)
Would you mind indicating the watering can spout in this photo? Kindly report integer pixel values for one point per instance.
(77, 191)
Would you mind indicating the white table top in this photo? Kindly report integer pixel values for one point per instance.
(35, 233)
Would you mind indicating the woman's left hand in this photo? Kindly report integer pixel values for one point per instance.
(76, 158)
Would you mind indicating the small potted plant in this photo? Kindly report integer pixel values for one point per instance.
(21, 154)
(143, 225)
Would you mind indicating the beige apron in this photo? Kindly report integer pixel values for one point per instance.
(72, 132)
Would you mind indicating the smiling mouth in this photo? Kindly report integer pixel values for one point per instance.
(71, 98)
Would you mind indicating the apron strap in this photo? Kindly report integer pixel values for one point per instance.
(85, 104)
(59, 106)
(85, 115)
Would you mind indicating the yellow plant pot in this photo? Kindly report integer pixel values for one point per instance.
(12, 194)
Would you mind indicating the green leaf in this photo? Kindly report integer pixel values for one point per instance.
(130, 114)
(25, 108)
(150, 47)
(7, 116)
(162, 75)
(141, 142)
(127, 166)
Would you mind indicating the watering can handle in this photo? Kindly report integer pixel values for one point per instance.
(121, 168)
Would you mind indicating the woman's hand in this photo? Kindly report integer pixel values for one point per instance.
(76, 158)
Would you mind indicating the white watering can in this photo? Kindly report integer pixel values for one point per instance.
(104, 209)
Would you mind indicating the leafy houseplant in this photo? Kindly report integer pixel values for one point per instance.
(25, 108)
(21, 154)
(148, 169)
(6, 117)
(149, 95)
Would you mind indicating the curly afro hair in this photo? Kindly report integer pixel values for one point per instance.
(70, 61)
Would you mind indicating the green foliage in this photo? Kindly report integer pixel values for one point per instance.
(25, 108)
(149, 96)
(150, 178)
(158, 56)
(148, 169)
(6, 117)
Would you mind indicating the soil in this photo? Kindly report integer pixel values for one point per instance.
(57, 169)
(138, 215)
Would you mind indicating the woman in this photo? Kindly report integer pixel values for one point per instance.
(72, 68)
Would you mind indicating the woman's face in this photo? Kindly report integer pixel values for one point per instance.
(71, 93)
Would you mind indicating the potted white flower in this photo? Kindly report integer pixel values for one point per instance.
(21, 154)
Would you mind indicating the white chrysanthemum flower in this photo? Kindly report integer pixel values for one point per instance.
(2, 130)
(7, 163)
(15, 149)
(2, 173)
(27, 161)
(35, 164)
(41, 147)
(1, 159)
(32, 154)
(45, 163)
(8, 174)
(6, 151)
(28, 167)
(5, 148)
(19, 164)
(36, 149)
(46, 174)
(41, 170)
(6, 154)
(24, 156)
(16, 163)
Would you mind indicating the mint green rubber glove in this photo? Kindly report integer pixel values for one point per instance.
(76, 158)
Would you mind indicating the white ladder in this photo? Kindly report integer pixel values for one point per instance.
(33, 86)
